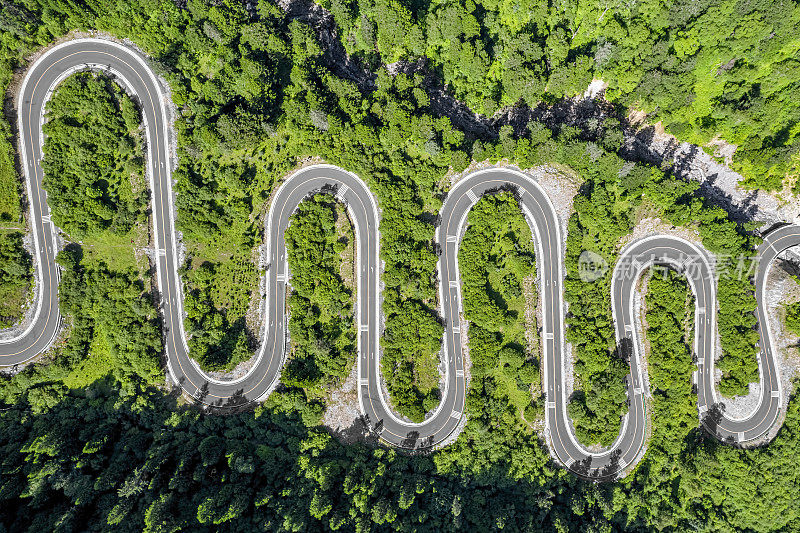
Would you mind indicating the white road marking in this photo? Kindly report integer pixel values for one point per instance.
(555, 250)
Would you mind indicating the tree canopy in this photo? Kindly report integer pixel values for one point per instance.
(90, 438)
(92, 156)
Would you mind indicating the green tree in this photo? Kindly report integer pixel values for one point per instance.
(93, 164)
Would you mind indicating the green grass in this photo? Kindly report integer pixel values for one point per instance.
(12, 299)
(98, 364)
(426, 373)
(116, 251)
(237, 277)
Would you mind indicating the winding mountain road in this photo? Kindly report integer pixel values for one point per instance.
(132, 72)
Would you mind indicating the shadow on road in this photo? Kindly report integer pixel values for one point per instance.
(609, 471)
(711, 419)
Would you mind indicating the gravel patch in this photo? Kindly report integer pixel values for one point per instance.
(739, 407)
(343, 410)
(240, 371)
(717, 181)
(647, 226)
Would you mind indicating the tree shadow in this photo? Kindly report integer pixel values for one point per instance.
(410, 442)
(712, 418)
(358, 432)
(235, 401)
(624, 349)
(585, 469)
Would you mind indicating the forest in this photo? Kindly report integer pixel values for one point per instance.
(495, 259)
(321, 324)
(15, 277)
(93, 157)
(90, 433)
(706, 69)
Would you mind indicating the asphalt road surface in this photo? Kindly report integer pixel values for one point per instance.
(132, 71)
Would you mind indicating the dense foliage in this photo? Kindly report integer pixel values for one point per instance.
(255, 92)
(672, 406)
(606, 212)
(670, 313)
(118, 455)
(410, 360)
(86, 442)
(114, 332)
(733, 245)
(495, 258)
(15, 277)
(113, 308)
(321, 323)
(724, 68)
(92, 157)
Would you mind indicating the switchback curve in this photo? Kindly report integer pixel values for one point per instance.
(132, 71)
